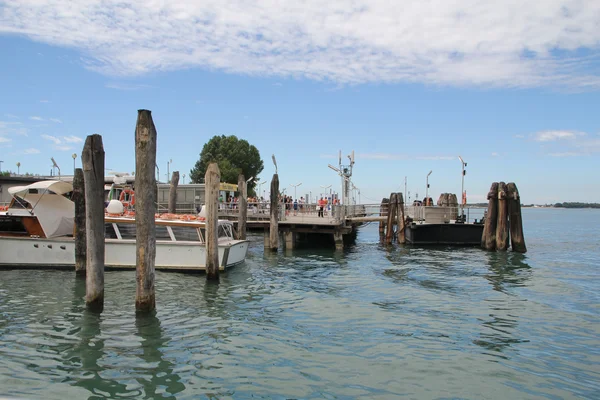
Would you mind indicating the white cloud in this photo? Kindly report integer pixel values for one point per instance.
(72, 139)
(63, 148)
(12, 128)
(511, 43)
(4, 139)
(53, 139)
(44, 101)
(11, 116)
(520, 136)
(58, 121)
(36, 118)
(565, 154)
(494, 154)
(31, 151)
(550, 136)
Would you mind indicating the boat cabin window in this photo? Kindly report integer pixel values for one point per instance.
(185, 233)
(224, 231)
(127, 231)
(12, 225)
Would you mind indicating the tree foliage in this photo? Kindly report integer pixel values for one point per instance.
(234, 156)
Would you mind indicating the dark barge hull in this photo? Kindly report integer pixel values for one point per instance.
(451, 234)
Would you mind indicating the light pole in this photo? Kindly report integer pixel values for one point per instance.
(260, 186)
(168, 165)
(462, 186)
(295, 186)
(427, 189)
(18, 168)
(1, 165)
(74, 157)
(326, 187)
(184, 179)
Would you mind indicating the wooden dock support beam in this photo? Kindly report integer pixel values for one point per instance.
(400, 219)
(212, 179)
(145, 208)
(383, 212)
(78, 198)
(243, 207)
(290, 240)
(502, 221)
(516, 222)
(274, 226)
(92, 158)
(173, 192)
(488, 239)
(338, 238)
(391, 218)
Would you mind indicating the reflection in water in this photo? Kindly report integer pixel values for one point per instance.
(506, 270)
(162, 383)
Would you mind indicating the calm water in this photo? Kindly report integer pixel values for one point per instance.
(369, 322)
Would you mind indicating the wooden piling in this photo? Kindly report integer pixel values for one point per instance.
(401, 219)
(145, 209)
(488, 239)
(212, 179)
(243, 206)
(516, 222)
(502, 222)
(78, 198)
(391, 218)
(274, 226)
(92, 158)
(173, 192)
(383, 211)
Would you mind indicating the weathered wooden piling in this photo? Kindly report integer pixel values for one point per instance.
(488, 239)
(502, 222)
(92, 158)
(145, 208)
(516, 222)
(78, 198)
(212, 179)
(243, 206)
(383, 211)
(391, 218)
(401, 221)
(274, 225)
(173, 192)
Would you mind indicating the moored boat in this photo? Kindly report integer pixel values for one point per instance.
(37, 230)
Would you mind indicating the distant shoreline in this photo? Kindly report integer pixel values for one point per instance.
(556, 205)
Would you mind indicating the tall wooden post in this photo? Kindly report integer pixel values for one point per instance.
(391, 218)
(212, 179)
(516, 222)
(383, 212)
(173, 192)
(401, 219)
(145, 208)
(79, 229)
(92, 158)
(274, 226)
(243, 206)
(488, 239)
(502, 224)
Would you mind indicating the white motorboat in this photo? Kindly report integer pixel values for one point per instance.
(37, 230)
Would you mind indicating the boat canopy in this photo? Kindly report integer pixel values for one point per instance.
(55, 213)
(58, 187)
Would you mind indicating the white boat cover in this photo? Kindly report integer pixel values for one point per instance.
(58, 187)
(55, 212)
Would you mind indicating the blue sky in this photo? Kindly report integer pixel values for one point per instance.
(512, 88)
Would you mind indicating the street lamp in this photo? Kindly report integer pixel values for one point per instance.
(18, 168)
(55, 165)
(427, 189)
(168, 164)
(74, 157)
(462, 187)
(184, 179)
(295, 186)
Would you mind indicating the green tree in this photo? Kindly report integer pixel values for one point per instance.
(234, 156)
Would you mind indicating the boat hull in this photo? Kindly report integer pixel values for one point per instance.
(121, 254)
(449, 234)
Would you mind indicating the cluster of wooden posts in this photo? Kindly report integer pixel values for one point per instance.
(394, 226)
(88, 195)
(503, 216)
